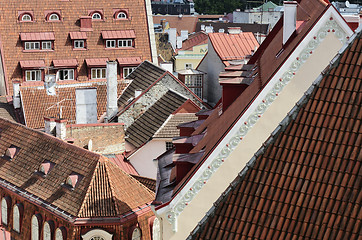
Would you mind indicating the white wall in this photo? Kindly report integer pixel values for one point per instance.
(142, 160)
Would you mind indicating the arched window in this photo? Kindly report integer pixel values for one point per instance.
(121, 15)
(47, 232)
(97, 238)
(96, 16)
(16, 218)
(136, 234)
(26, 18)
(35, 227)
(59, 233)
(156, 230)
(4, 211)
(54, 17)
(97, 234)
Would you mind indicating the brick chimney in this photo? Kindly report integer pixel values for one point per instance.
(86, 24)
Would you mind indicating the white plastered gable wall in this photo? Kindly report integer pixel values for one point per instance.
(272, 105)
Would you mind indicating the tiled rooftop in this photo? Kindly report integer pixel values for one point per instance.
(37, 104)
(169, 129)
(6, 110)
(195, 39)
(186, 22)
(103, 189)
(307, 182)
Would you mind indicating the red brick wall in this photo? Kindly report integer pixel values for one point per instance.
(71, 11)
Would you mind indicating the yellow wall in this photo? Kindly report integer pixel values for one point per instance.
(194, 57)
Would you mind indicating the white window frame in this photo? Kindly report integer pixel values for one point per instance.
(34, 228)
(79, 43)
(68, 74)
(26, 18)
(96, 16)
(32, 45)
(47, 232)
(46, 45)
(121, 15)
(54, 17)
(123, 43)
(98, 73)
(127, 71)
(4, 211)
(16, 218)
(34, 74)
(110, 43)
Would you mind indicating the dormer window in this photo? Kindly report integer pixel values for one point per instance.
(96, 15)
(119, 39)
(54, 17)
(11, 152)
(73, 180)
(26, 18)
(79, 40)
(45, 167)
(121, 15)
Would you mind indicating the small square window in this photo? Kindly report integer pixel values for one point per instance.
(33, 75)
(188, 65)
(110, 43)
(98, 73)
(79, 44)
(46, 45)
(127, 71)
(125, 43)
(66, 74)
(32, 45)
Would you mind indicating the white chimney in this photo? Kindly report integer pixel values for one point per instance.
(184, 34)
(112, 107)
(61, 128)
(86, 105)
(179, 42)
(167, 66)
(234, 30)
(137, 92)
(221, 30)
(16, 94)
(49, 125)
(172, 36)
(289, 19)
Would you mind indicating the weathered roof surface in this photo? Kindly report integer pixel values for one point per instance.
(307, 183)
(122, 163)
(147, 182)
(102, 189)
(148, 123)
(196, 39)
(6, 110)
(169, 129)
(180, 23)
(142, 78)
(233, 46)
(37, 104)
(245, 27)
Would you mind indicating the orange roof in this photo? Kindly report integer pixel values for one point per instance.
(37, 36)
(233, 46)
(122, 163)
(194, 40)
(118, 34)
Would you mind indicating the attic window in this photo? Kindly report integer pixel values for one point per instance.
(121, 15)
(54, 17)
(11, 152)
(26, 18)
(96, 15)
(73, 180)
(45, 167)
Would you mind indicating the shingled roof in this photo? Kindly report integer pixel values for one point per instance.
(169, 129)
(306, 184)
(6, 110)
(148, 123)
(102, 189)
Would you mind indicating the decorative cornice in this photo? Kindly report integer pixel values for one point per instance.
(330, 26)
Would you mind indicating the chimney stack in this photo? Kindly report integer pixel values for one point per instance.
(49, 125)
(61, 128)
(86, 24)
(289, 19)
(179, 42)
(112, 107)
(16, 94)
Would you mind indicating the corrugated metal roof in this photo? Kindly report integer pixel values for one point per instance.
(32, 64)
(96, 62)
(65, 63)
(129, 60)
(78, 35)
(37, 36)
(118, 34)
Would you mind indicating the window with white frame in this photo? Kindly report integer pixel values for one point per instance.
(110, 43)
(4, 211)
(96, 16)
(66, 74)
(79, 44)
(33, 75)
(32, 45)
(34, 228)
(121, 15)
(136, 234)
(97, 234)
(16, 218)
(46, 45)
(47, 234)
(169, 145)
(125, 43)
(54, 17)
(26, 18)
(98, 73)
(127, 71)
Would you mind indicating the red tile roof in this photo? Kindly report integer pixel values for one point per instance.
(196, 39)
(129, 61)
(37, 36)
(65, 63)
(184, 23)
(32, 64)
(118, 34)
(96, 62)
(307, 182)
(78, 35)
(233, 46)
(122, 163)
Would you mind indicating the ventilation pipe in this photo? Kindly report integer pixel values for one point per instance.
(289, 19)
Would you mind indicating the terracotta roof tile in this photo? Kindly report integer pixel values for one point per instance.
(37, 36)
(122, 163)
(313, 195)
(147, 182)
(118, 34)
(37, 104)
(6, 110)
(196, 39)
